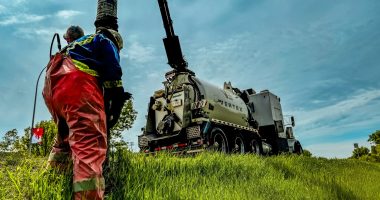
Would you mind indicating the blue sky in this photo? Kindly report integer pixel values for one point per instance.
(321, 57)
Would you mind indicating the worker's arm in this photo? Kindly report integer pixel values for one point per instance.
(111, 73)
(109, 56)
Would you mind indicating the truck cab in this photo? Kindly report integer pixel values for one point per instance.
(275, 129)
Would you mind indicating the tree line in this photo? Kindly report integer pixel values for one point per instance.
(373, 154)
(12, 142)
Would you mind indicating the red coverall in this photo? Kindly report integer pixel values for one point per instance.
(74, 96)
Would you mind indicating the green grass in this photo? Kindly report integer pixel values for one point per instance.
(205, 176)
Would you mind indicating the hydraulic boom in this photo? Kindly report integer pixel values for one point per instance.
(171, 42)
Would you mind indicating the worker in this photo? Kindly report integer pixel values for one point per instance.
(83, 83)
(73, 33)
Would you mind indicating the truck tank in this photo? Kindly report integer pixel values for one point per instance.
(208, 101)
(222, 104)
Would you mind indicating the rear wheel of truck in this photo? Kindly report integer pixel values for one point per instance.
(219, 141)
(255, 147)
(239, 146)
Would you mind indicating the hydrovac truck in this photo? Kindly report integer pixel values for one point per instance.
(189, 115)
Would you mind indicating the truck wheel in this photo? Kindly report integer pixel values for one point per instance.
(298, 148)
(238, 146)
(219, 141)
(255, 147)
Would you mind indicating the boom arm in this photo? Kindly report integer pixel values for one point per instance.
(171, 42)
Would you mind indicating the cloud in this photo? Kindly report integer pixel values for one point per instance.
(13, 3)
(2, 8)
(338, 109)
(18, 2)
(43, 33)
(66, 14)
(351, 118)
(139, 53)
(221, 61)
(21, 19)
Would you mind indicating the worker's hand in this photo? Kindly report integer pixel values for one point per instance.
(114, 101)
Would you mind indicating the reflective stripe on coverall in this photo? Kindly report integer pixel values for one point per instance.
(75, 100)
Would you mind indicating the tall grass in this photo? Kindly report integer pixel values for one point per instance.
(206, 176)
(25, 177)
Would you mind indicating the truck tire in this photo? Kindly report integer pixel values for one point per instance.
(219, 141)
(238, 145)
(298, 148)
(255, 147)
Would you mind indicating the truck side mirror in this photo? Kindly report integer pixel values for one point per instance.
(293, 121)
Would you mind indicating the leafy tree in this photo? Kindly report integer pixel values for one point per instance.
(375, 138)
(363, 153)
(375, 149)
(9, 140)
(47, 140)
(359, 152)
(22, 143)
(307, 153)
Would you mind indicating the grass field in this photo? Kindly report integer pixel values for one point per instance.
(205, 176)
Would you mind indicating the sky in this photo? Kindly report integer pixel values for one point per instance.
(320, 57)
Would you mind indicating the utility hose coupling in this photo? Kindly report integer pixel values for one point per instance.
(106, 15)
(166, 126)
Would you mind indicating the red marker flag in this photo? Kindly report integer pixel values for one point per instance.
(37, 135)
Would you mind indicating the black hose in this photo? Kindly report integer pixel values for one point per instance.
(56, 35)
(35, 94)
